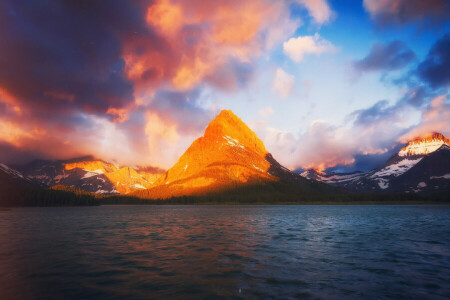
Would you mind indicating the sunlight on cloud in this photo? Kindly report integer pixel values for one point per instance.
(199, 41)
(297, 48)
(266, 111)
(435, 118)
(283, 83)
(318, 9)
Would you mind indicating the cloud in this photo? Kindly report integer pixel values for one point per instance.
(159, 131)
(199, 41)
(385, 57)
(435, 68)
(297, 48)
(435, 118)
(60, 74)
(364, 141)
(401, 12)
(367, 135)
(266, 111)
(133, 71)
(283, 83)
(318, 9)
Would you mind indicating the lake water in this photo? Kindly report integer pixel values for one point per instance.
(213, 252)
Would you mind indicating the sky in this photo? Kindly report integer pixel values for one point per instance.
(326, 84)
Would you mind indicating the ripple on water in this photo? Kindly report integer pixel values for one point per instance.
(223, 252)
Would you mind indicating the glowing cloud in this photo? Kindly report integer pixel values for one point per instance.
(435, 118)
(283, 83)
(266, 111)
(158, 132)
(197, 41)
(297, 48)
(318, 9)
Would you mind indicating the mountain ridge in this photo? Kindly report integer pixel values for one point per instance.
(390, 176)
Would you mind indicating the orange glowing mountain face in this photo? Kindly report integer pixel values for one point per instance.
(424, 145)
(125, 179)
(228, 155)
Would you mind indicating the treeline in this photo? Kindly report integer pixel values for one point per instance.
(57, 196)
(256, 194)
(279, 194)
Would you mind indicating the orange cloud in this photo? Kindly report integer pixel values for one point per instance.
(165, 16)
(435, 118)
(120, 115)
(159, 132)
(238, 26)
(196, 39)
(12, 133)
(10, 101)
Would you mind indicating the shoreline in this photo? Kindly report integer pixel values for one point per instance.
(9, 208)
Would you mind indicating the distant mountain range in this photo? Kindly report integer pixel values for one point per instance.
(229, 158)
(422, 166)
(86, 173)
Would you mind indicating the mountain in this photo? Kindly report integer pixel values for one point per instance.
(91, 175)
(18, 190)
(432, 173)
(333, 178)
(12, 177)
(423, 165)
(228, 156)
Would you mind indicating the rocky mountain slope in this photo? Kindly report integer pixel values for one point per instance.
(91, 175)
(422, 165)
(12, 177)
(228, 156)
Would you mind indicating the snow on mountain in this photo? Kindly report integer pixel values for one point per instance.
(10, 176)
(446, 176)
(337, 179)
(92, 175)
(424, 146)
(410, 170)
(396, 169)
(10, 171)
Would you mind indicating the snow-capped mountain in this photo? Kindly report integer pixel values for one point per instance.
(333, 178)
(424, 146)
(422, 165)
(90, 174)
(431, 173)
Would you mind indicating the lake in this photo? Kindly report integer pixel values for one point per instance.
(214, 252)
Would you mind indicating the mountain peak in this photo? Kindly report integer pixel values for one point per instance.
(229, 126)
(229, 155)
(424, 145)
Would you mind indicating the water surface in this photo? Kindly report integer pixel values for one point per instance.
(248, 252)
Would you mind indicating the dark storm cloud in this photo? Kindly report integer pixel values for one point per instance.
(401, 12)
(64, 55)
(416, 96)
(435, 69)
(378, 112)
(388, 57)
